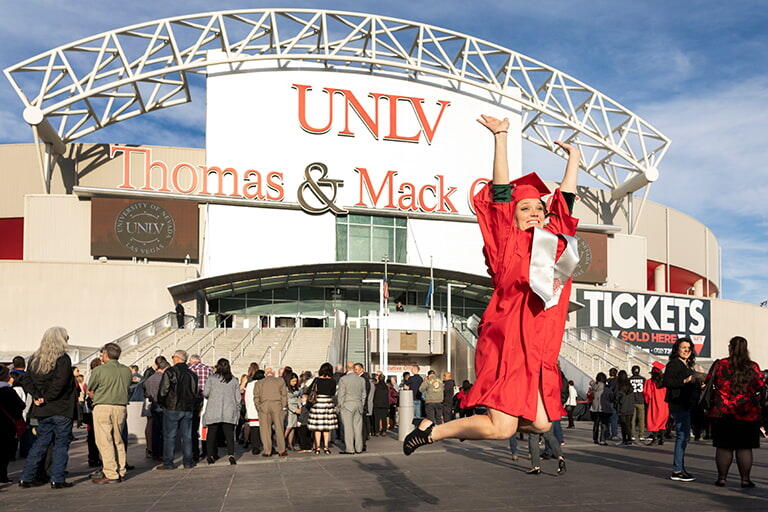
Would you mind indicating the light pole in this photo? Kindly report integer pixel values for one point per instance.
(450, 324)
(382, 328)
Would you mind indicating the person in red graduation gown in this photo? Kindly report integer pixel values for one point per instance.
(657, 408)
(519, 339)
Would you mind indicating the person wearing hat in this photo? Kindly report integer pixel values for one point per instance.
(656, 406)
(530, 262)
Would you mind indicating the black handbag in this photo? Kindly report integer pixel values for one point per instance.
(707, 399)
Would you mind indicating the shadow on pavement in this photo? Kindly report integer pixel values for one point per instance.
(401, 493)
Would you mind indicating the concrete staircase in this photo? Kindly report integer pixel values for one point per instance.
(592, 350)
(264, 350)
(308, 349)
(356, 345)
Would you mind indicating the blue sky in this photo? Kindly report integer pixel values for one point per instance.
(697, 70)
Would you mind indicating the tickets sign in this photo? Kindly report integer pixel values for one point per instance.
(649, 321)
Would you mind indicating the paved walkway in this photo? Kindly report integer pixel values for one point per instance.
(448, 476)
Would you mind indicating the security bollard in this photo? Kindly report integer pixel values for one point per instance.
(405, 414)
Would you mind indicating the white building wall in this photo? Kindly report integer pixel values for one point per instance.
(240, 238)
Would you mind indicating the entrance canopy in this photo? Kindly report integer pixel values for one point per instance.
(401, 278)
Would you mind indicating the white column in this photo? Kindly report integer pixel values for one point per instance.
(698, 288)
(659, 278)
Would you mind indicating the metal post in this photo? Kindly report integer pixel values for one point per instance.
(405, 414)
(380, 327)
(450, 323)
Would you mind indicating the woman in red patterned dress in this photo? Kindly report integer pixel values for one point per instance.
(738, 383)
(520, 335)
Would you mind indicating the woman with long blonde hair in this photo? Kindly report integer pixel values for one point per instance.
(53, 388)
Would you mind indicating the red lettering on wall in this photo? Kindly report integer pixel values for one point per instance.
(175, 177)
(126, 184)
(275, 186)
(407, 199)
(422, 203)
(247, 185)
(303, 110)
(365, 183)
(220, 173)
(371, 121)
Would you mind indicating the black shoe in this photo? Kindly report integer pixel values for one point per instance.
(6, 480)
(417, 438)
(748, 484)
(545, 456)
(61, 485)
(210, 460)
(232, 461)
(129, 467)
(255, 451)
(561, 467)
(720, 482)
(681, 476)
(533, 471)
(33, 483)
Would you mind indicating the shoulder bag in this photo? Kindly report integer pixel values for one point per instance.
(707, 398)
(312, 398)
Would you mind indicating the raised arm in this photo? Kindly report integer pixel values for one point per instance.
(571, 168)
(499, 128)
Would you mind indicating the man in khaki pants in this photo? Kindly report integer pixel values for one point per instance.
(108, 386)
(270, 395)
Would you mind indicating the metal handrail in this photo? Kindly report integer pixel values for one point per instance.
(242, 346)
(287, 344)
(604, 353)
(210, 333)
(136, 336)
(176, 339)
(264, 356)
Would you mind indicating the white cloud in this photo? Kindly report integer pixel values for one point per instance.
(715, 171)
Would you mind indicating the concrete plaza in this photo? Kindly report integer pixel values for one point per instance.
(448, 476)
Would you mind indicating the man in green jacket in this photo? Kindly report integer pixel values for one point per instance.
(432, 388)
(108, 387)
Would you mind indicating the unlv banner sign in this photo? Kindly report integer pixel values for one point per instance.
(336, 142)
(652, 322)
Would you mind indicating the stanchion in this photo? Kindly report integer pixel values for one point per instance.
(405, 414)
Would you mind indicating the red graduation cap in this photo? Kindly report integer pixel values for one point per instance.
(529, 186)
(657, 366)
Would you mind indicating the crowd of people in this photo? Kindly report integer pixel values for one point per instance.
(202, 408)
(186, 403)
(728, 405)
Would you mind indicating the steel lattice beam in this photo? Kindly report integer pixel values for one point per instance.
(86, 85)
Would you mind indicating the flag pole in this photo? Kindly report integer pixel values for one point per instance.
(431, 301)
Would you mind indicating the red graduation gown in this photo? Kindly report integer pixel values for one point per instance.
(657, 408)
(519, 341)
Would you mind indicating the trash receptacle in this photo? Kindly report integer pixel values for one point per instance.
(405, 414)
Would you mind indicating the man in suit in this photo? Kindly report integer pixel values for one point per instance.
(270, 395)
(351, 397)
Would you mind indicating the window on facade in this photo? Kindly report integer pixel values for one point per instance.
(368, 238)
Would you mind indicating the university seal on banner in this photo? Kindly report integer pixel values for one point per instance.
(145, 228)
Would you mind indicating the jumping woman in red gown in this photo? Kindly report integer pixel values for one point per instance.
(519, 338)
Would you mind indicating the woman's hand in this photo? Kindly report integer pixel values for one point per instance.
(570, 149)
(493, 124)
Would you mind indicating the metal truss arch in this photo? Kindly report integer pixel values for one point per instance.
(110, 77)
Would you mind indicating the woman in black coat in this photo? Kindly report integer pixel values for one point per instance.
(11, 409)
(682, 385)
(380, 405)
(54, 392)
